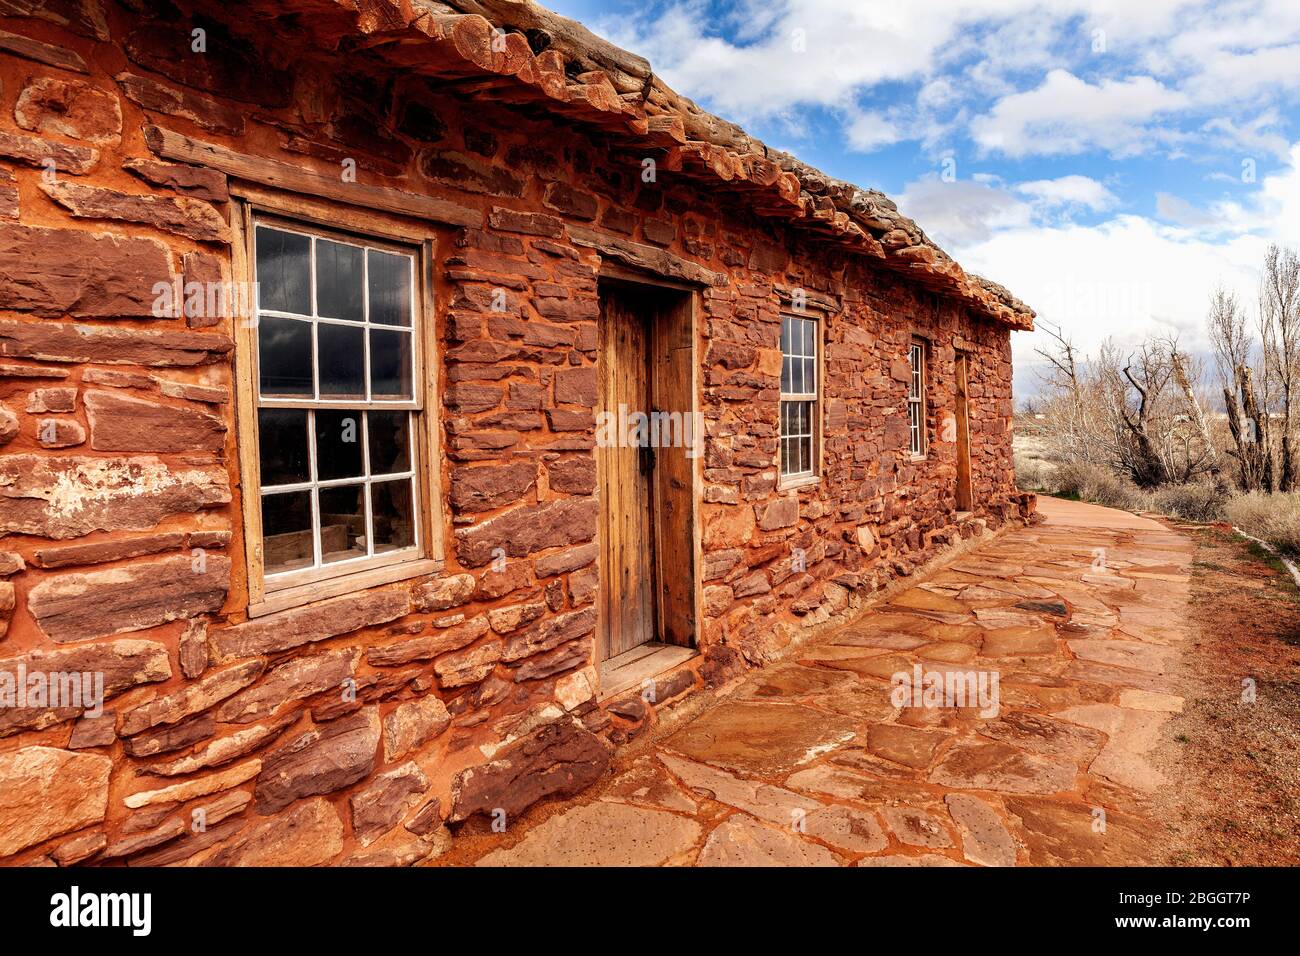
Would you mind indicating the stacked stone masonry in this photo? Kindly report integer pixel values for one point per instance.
(366, 728)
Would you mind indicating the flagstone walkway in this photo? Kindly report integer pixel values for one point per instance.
(810, 763)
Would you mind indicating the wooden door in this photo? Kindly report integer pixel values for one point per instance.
(627, 586)
(965, 498)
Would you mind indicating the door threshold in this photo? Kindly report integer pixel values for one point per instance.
(641, 663)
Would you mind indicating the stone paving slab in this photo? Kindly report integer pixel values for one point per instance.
(1070, 631)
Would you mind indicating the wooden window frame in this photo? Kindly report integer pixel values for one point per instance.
(786, 482)
(253, 204)
(917, 389)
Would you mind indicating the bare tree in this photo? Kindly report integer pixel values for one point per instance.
(1066, 410)
(1234, 355)
(1184, 376)
(1279, 324)
(1149, 374)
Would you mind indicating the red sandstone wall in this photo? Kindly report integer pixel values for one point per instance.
(119, 491)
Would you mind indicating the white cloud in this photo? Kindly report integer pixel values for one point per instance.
(823, 52)
(1255, 136)
(956, 214)
(1024, 74)
(1073, 190)
(1129, 275)
(966, 211)
(1067, 115)
(1123, 279)
(1177, 210)
(870, 131)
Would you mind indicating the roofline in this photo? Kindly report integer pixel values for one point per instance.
(520, 53)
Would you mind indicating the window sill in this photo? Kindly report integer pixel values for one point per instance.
(917, 459)
(334, 587)
(803, 481)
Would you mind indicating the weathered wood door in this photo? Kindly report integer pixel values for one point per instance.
(965, 497)
(626, 474)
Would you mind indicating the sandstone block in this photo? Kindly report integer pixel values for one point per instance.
(66, 497)
(69, 108)
(379, 805)
(412, 724)
(45, 792)
(182, 215)
(304, 625)
(191, 699)
(326, 758)
(78, 606)
(75, 272)
(292, 680)
(310, 834)
(527, 529)
(123, 664)
(121, 423)
(560, 758)
(469, 666)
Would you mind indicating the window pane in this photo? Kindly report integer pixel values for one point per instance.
(390, 364)
(390, 288)
(286, 531)
(390, 505)
(810, 375)
(786, 325)
(389, 442)
(283, 271)
(338, 444)
(805, 454)
(785, 456)
(342, 523)
(282, 446)
(796, 376)
(787, 377)
(341, 353)
(284, 356)
(338, 281)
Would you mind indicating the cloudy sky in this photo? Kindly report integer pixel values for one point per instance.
(1110, 161)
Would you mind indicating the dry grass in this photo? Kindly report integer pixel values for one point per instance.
(1097, 484)
(1199, 501)
(1273, 518)
(1034, 469)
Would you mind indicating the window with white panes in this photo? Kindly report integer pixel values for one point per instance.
(799, 340)
(337, 408)
(916, 399)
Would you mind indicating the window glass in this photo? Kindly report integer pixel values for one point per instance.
(337, 468)
(798, 412)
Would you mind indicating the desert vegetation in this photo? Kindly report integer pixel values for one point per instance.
(1157, 428)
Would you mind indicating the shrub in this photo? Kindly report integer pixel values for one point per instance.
(1033, 469)
(1273, 518)
(1195, 501)
(1096, 483)
(1034, 474)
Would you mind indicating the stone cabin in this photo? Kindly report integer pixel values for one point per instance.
(331, 332)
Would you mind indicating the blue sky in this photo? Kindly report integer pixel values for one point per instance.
(1110, 161)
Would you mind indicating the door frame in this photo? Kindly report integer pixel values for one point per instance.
(672, 314)
(965, 493)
